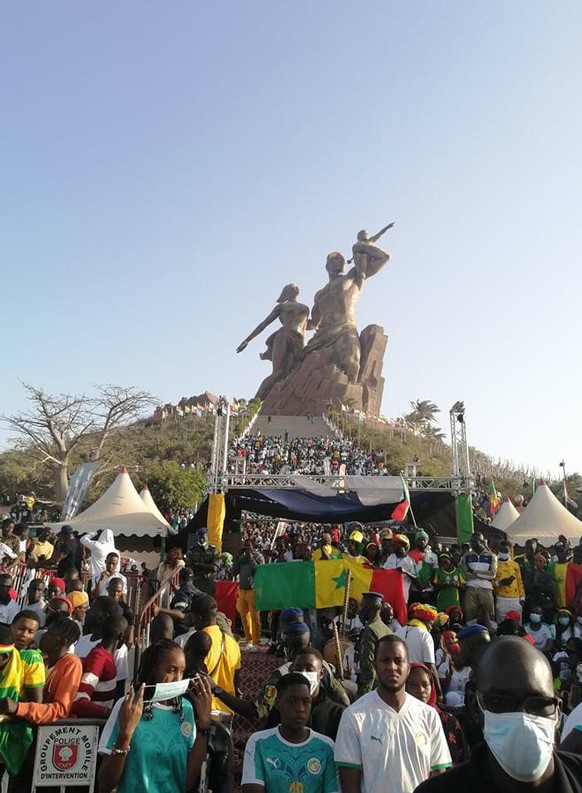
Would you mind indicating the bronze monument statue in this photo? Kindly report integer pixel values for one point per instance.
(284, 346)
(338, 364)
(333, 316)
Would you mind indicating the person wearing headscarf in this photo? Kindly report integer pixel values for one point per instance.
(421, 684)
(443, 658)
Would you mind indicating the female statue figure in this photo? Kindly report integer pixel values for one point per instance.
(285, 345)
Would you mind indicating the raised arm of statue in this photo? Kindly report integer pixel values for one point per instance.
(275, 313)
(368, 258)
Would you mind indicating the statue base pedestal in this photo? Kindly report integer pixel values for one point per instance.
(316, 383)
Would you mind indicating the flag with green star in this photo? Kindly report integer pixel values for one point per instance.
(322, 584)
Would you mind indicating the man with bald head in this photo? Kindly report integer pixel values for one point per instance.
(520, 715)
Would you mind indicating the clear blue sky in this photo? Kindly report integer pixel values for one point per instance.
(167, 167)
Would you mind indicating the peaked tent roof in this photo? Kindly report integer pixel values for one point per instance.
(120, 509)
(507, 515)
(545, 518)
(148, 500)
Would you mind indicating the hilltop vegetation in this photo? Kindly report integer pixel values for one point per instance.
(172, 456)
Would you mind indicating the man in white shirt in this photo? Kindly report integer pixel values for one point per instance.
(388, 741)
(100, 544)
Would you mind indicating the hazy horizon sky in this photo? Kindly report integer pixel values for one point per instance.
(167, 169)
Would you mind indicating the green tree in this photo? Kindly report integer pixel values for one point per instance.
(173, 488)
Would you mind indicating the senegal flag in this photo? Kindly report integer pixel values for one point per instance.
(318, 585)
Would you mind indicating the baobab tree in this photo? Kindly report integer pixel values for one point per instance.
(55, 426)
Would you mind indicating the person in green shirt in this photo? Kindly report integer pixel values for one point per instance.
(448, 581)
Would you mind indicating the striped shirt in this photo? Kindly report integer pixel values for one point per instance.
(96, 694)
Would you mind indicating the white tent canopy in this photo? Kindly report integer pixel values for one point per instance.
(545, 518)
(507, 515)
(122, 510)
(148, 500)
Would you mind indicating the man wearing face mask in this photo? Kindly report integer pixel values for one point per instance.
(515, 702)
(507, 585)
(325, 714)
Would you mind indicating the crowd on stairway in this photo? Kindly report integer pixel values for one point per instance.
(263, 454)
(488, 629)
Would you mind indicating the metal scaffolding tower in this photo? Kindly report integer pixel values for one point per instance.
(219, 456)
(460, 447)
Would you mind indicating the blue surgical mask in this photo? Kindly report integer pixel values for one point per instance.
(521, 743)
(564, 621)
(503, 557)
(535, 618)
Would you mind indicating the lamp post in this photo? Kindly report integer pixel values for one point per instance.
(562, 465)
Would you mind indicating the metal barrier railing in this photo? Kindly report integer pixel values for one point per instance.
(161, 598)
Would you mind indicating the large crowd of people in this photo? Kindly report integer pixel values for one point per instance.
(263, 454)
(490, 656)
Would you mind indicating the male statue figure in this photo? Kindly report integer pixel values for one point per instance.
(333, 315)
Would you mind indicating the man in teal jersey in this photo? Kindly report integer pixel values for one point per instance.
(290, 758)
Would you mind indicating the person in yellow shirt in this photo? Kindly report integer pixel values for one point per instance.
(325, 550)
(42, 549)
(355, 547)
(508, 584)
(223, 662)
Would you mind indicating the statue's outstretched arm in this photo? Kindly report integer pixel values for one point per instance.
(376, 258)
(260, 328)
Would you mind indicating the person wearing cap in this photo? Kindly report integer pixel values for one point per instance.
(203, 559)
(355, 547)
(386, 543)
(66, 553)
(399, 560)
(480, 567)
(80, 602)
(508, 585)
(371, 634)
(325, 550)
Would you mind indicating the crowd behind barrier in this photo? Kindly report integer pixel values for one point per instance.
(99, 627)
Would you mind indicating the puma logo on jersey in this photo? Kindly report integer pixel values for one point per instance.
(274, 762)
(376, 738)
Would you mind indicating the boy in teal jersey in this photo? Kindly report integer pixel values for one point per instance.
(290, 758)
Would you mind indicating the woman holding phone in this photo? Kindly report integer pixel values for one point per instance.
(156, 747)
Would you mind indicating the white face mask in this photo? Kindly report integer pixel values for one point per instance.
(313, 678)
(503, 557)
(521, 743)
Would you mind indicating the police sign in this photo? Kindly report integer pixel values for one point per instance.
(65, 755)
